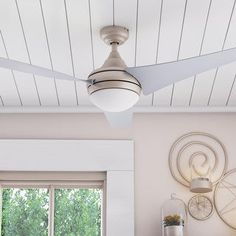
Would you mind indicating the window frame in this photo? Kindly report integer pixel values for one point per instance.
(114, 157)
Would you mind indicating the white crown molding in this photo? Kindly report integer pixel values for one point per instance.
(137, 109)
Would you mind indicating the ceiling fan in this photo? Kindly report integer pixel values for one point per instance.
(115, 88)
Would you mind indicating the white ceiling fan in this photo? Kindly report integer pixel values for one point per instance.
(115, 88)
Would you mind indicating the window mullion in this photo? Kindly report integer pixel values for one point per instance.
(51, 212)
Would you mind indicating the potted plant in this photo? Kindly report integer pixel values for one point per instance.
(173, 225)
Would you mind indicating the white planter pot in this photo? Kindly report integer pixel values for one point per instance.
(175, 230)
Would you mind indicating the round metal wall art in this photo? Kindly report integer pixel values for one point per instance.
(200, 207)
(197, 148)
(225, 198)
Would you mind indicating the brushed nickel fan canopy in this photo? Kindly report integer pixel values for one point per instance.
(114, 34)
(114, 89)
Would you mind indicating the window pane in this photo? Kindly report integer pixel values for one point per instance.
(78, 212)
(25, 212)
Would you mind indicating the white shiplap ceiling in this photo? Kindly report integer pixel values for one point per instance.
(64, 35)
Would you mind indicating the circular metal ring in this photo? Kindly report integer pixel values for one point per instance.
(221, 185)
(211, 205)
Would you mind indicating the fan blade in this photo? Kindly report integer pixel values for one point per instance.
(36, 70)
(120, 119)
(155, 77)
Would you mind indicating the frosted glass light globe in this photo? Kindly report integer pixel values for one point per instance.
(114, 99)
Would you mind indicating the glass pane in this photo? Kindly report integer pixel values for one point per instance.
(78, 212)
(25, 212)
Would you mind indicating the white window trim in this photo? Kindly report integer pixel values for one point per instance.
(115, 157)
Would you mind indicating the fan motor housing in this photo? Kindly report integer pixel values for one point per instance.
(113, 78)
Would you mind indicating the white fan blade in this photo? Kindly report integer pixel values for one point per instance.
(120, 119)
(36, 70)
(155, 77)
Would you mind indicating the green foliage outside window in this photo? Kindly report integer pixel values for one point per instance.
(25, 212)
(77, 212)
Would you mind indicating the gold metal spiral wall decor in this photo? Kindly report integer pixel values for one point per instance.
(197, 150)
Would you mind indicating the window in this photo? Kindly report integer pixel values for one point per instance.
(68, 206)
(113, 157)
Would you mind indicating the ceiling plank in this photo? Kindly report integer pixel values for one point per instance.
(79, 29)
(225, 80)
(59, 46)
(125, 14)
(202, 87)
(223, 83)
(27, 90)
(101, 13)
(182, 92)
(214, 41)
(9, 91)
(147, 31)
(170, 35)
(147, 37)
(231, 100)
(223, 47)
(36, 41)
(193, 32)
(217, 27)
(230, 43)
(10, 25)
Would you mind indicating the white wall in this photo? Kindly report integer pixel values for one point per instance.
(153, 135)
